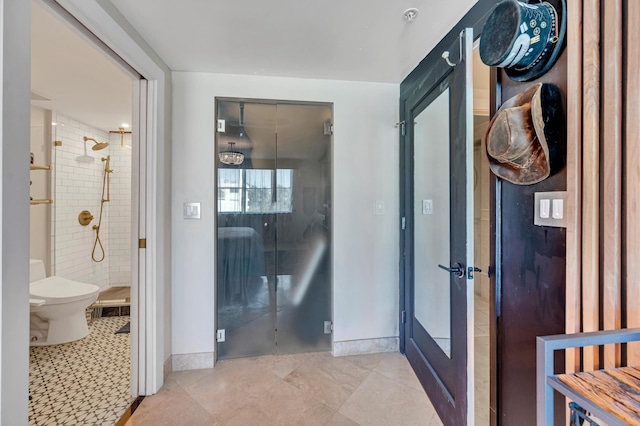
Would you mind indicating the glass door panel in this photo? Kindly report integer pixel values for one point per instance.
(246, 230)
(273, 211)
(303, 183)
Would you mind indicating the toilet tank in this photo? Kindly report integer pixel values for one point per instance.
(36, 270)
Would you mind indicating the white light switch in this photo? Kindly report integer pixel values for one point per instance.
(427, 206)
(191, 211)
(379, 207)
(558, 207)
(545, 207)
(549, 209)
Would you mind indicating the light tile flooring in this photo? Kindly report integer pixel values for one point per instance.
(301, 389)
(308, 389)
(85, 382)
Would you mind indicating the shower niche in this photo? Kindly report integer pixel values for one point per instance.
(273, 205)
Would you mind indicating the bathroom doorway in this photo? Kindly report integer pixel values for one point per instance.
(273, 227)
(81, 218)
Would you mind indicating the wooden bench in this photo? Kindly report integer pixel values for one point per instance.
(611, 395)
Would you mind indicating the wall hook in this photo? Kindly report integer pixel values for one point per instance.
(445, 54)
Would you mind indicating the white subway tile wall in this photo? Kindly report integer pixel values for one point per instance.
(77, 182)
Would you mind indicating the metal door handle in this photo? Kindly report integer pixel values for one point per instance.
(457, 269)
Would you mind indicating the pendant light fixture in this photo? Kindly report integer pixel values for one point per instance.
(231, 156)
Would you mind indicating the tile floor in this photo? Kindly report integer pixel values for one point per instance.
(301, 389)
(308, 389)
(85, 382)
(75, 384)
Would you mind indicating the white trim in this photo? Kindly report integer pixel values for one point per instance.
(469, 128)
(15, 22)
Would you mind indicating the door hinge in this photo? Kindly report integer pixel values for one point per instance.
(328, 327)
(142, 243)
(221, 335)
(404, 317)
(402, 128)
(404, 223)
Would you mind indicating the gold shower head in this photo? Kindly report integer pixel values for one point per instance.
(97, 146)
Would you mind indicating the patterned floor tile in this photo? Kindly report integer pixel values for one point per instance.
(84, 382)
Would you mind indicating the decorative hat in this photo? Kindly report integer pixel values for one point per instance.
(525, 135)
(524, 38)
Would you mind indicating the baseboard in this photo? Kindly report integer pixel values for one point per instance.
(180, 362)
(366, 346)
(167, 368)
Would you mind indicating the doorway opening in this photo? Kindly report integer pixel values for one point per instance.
(81, 222)
(273, 227)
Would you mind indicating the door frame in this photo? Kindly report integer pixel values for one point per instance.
(413, 89)
(104, 27)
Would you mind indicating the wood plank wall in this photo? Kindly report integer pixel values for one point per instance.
(603, 166)
(631, 182)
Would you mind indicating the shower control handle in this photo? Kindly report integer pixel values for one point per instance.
(85, 217)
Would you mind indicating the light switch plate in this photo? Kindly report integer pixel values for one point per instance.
(191, 211)
(553, 213)
(427, 206)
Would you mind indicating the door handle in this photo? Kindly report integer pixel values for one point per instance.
(457, 269)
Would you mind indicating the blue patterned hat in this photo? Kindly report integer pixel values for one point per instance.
(524, 38)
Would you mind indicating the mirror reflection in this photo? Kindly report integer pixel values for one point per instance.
(432, 221)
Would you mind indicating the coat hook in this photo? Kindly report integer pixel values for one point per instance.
(445, 54)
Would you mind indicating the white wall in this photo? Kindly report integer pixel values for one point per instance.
(77, 185)
(120, 212)
(15, 18)
(365, 169)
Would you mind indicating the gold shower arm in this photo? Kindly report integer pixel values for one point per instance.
(121, 132)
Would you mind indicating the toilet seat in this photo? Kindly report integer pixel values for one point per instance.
(55, 290)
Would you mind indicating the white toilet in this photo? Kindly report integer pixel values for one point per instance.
(58, 307)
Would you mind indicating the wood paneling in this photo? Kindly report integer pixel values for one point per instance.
(591, 176)
(632, 178)
(603, 239)
(574, 177)
(612, 173)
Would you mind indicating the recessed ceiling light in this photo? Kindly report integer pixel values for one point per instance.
(410, 14)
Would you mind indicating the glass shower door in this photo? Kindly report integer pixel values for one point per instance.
(303, 233)
(246, 230)
(273, 252)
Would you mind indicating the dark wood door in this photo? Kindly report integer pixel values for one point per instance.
(438, 243)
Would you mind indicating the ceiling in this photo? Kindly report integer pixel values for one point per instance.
(358, 40)
(72, 77)
(354, 40)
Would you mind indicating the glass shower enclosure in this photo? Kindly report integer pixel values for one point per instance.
(273, 180)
